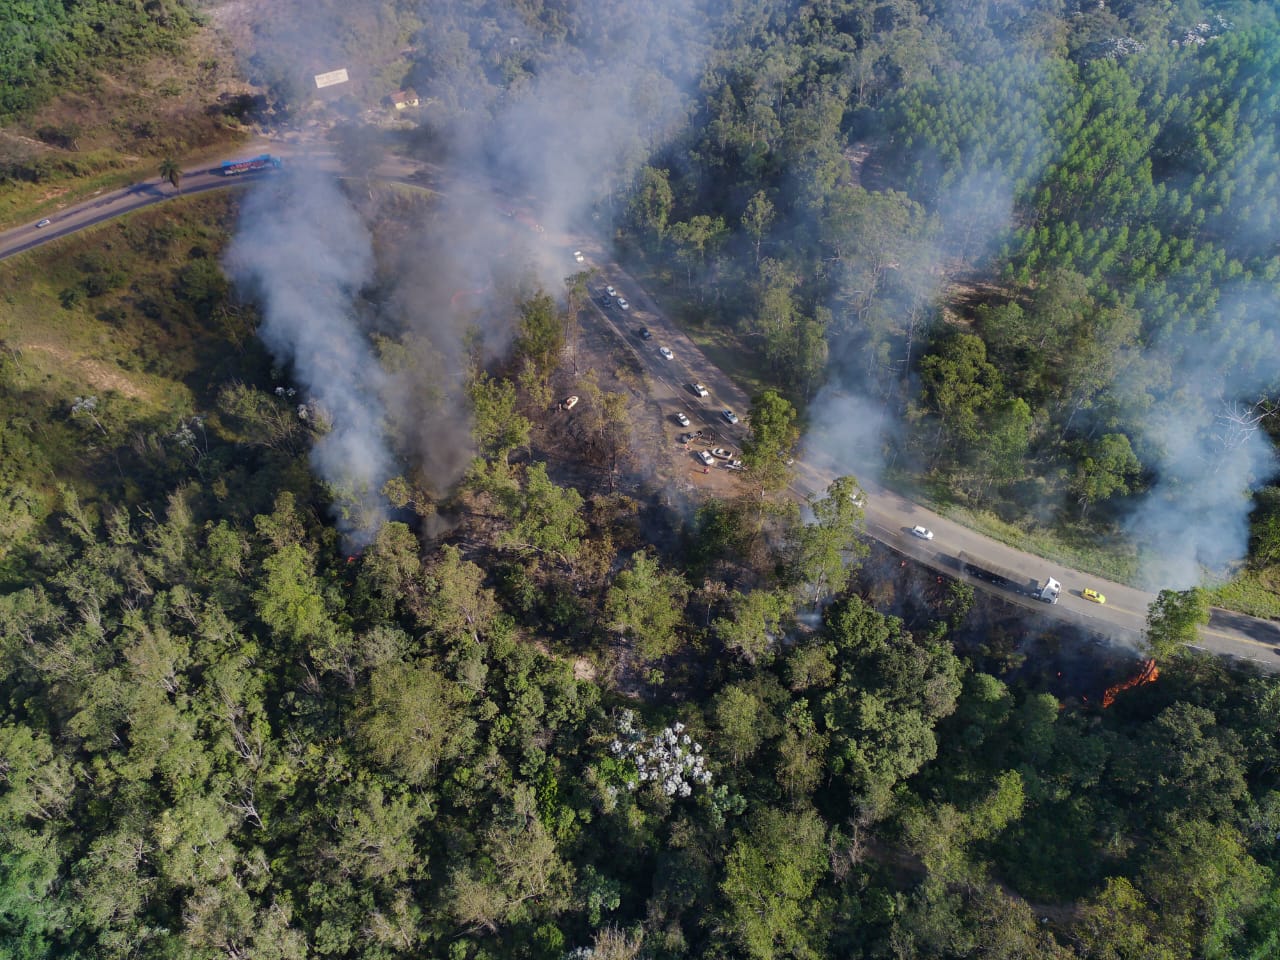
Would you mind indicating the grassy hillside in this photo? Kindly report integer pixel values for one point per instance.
(111, 341)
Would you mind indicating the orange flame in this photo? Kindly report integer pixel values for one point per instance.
(1149, 673)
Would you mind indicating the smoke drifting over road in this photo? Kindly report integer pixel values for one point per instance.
(303, 252)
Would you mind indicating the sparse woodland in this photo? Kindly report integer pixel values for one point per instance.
(541, 715)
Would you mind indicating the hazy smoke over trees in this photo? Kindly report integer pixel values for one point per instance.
(900, 194)
(303, 252)
(1204, 440)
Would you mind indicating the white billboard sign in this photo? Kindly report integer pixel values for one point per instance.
(332, 78)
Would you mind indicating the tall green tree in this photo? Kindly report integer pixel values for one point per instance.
(757, 218)
(497, 424)
(772, 441)
(171, 170)
(646, 605)
(410, 719)
(653, 202)
(1174, 620)
(770, 874)
(826, 549)
(547, 518)
(541, 335)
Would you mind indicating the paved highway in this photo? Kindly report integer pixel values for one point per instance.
(889, 516)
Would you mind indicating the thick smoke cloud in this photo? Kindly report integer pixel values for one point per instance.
(1204, 442)
(525, 168)
(554, 148)
(304, 253)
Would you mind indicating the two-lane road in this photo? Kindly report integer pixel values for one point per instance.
(114, 203)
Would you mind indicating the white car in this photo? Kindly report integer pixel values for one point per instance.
(729, 415)
(577, 255)
(682, 419)
(700, 390)
(622, 302)
(706, 458)
(666, 353)
(924, 533)
(44, 223)
(610, 291)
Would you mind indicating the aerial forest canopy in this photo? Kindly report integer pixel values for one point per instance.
(555, 711)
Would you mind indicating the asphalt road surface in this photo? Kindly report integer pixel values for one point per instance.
(889, 517)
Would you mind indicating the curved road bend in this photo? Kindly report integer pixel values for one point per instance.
(889, 517)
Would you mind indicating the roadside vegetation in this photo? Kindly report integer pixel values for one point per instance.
(93, 95)
(113, 341)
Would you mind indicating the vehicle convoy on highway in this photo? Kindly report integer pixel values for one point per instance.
(1049, 591)
(265, 161)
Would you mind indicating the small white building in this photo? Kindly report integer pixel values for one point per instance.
(403, 99)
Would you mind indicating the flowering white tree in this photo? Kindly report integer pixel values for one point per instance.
(669, 759)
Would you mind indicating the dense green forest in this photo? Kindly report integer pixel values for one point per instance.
(546, 715)
(572, 722)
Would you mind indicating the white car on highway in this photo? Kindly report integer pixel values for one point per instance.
(682, 419)
(924, 533)
(729, 415)
(577, 255)
(666, 353)
(611, 291)
(622, 302)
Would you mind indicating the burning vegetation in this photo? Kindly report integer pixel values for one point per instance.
(1148, 674)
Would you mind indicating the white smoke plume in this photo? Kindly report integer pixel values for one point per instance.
(1204, 440)
(303, 252)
